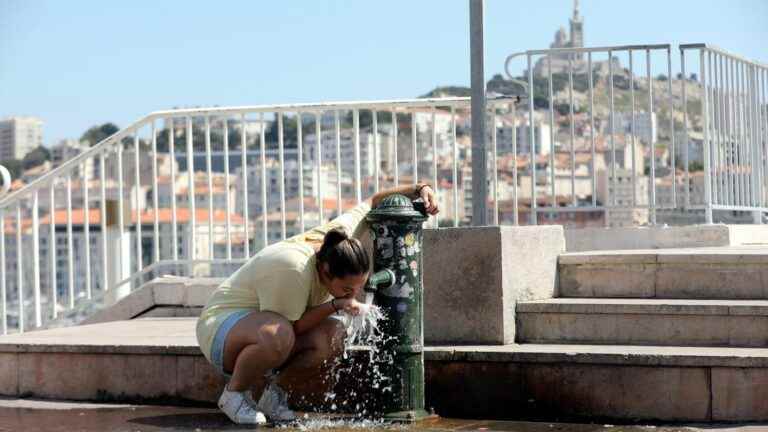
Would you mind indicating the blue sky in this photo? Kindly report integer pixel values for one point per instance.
(78, 63)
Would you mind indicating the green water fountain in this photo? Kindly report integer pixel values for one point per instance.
(396, 226)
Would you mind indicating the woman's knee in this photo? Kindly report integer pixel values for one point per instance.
(278, 337)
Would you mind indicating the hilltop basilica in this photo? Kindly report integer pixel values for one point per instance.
(573, 40)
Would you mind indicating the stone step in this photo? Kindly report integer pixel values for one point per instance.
(695, 273)
(681, 322)
(156, 360)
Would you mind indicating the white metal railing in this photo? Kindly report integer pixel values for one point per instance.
(731, 117)
(199, 191)
(105, 237)
(571, 56)
(735, 129)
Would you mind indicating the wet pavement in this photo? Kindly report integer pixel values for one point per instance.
(25, 415)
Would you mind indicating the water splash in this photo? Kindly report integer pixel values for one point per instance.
(315, 422)
(363, 329)
(359, 371)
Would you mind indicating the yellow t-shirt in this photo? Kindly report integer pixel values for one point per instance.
(280, 278)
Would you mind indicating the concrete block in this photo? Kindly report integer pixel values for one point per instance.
(748, 234)
(462, 270)
(169, 291)
(183, 291)
(9, 374)
(197, 380)
(599, 280)
(474, 276)
(475, 390)
(726, 273)
(588, 239)
(171, 311)
(644, 329)
(200, 289)
(126, 308)
(713, 281)
(693, 236)
(739, 394)
(105, 377)
(619, 392)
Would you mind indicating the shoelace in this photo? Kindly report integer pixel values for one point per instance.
(281, 397)
(248, 409)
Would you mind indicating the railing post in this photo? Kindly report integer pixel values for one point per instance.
(479, 137)
(757, 215)
(118, 264)
(706, 144)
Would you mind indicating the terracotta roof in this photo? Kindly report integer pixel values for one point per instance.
(147, 217)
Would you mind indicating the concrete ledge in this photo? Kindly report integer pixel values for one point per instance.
(176, 336)
(646, 306)
(707, 273)
(725, 255)
(622, 322)
(587, 239)
(140, 336)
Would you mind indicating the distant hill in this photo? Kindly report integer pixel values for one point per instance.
(446, 91)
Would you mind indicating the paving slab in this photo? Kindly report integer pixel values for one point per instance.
(55, 416)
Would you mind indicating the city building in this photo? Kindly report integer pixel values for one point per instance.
(623, 197)
(541, 135)
(19, 136)
(66, 149)
(646, 128)
(58, 246)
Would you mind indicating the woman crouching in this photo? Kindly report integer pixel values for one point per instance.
(279, 311)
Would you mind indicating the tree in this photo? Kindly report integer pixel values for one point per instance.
(289, 132)
(14, 166)
(661, 77)
(98, 133)
(36, 157)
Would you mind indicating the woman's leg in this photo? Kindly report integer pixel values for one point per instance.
(311, 351)
(257, 343)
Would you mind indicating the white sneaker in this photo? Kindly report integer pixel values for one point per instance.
(238, 406)
(274, 403)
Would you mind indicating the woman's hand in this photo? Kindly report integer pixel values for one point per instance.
(430, 201)
(349, 305)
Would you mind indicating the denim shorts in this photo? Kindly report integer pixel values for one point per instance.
(217, 348)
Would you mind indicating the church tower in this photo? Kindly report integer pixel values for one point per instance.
(577, 30)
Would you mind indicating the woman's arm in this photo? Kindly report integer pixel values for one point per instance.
(425, 192)
(312, 317)
(315, 315)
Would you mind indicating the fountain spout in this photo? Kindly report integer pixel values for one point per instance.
(381, 279)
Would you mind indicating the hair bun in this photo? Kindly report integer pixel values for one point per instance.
(334, 237)
(344, 255)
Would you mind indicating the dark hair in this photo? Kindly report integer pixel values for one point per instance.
(344, 255)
